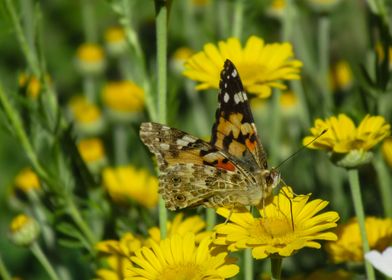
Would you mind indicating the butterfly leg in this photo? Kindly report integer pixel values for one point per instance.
(291, 207)
(230, 213)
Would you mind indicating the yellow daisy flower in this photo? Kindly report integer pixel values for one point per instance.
(343, 138)
(387, 150)
(24, 230)
(179, 58)
(93, 153)
(180, 226)
(87, 116)
(116, 255)
(341, 77)
(261, 66)
(115, 41)
(286, 225)
(276, 9)
(348, 246)
(123, 99)
(32, 85)
(179, 257)
(126, 183)
(90, 59)
(27, 180)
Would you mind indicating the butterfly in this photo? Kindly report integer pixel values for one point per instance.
(229, 171)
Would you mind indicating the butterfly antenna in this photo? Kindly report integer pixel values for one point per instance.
(303, 147)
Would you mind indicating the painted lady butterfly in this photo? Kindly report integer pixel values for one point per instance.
(229, 171)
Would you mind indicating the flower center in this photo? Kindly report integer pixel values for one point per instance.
(185, 271)
(277, 229)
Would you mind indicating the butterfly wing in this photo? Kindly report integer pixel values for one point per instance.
(192, 172)
(234, 130)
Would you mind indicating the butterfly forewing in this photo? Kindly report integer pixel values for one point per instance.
(234, 130)
(229, 171)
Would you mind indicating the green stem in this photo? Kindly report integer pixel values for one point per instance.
(323, 52)
(287, 21)
(28, 52)
(238, 18)
(80, 222)
(5, 275)
(89, 24)
(39, 212)
(120, 144)
(161, 29)
(248, 264)
(223, 22)
(359, 211)
(36, 250)
(384, 182)
(211, 218)
(287, 33)
(28, 22)
(17, 125)
(89, 89)
(276, 268)
(378, 7)
(275, 128)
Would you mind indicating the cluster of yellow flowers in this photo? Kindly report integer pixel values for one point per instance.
(285, 226)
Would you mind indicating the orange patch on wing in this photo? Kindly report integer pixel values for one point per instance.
(225, 165)
(250, 145)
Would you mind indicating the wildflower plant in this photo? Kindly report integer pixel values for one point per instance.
(75, 87)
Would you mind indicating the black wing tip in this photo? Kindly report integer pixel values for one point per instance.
(228, 65)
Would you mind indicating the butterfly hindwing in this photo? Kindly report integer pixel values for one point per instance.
(234, 130)
(192, 172)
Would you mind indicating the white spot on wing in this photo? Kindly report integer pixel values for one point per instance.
(237, 98)
(226, 97)
(188, 139)
(225, 85)
(234, 73)
(244, 96)
(164, 146)
(181, 142)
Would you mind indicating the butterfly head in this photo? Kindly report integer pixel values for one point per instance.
(271, 179)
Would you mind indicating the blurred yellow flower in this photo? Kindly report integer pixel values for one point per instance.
(276, 9)
(179, 58)
(341, 76)
(27, 180)
(381, 54)
(23, 230)
(115, 40)
(387, 150)
(31, 83)
(289, 103)
(348, 247)
(179, 257)
(93, 153)
(87, 116)
(285, 226)
(261, 66)
(343, 137)
(124, 99)
(90, 59)
(125, 183)
(116, 255)
(179, 226)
